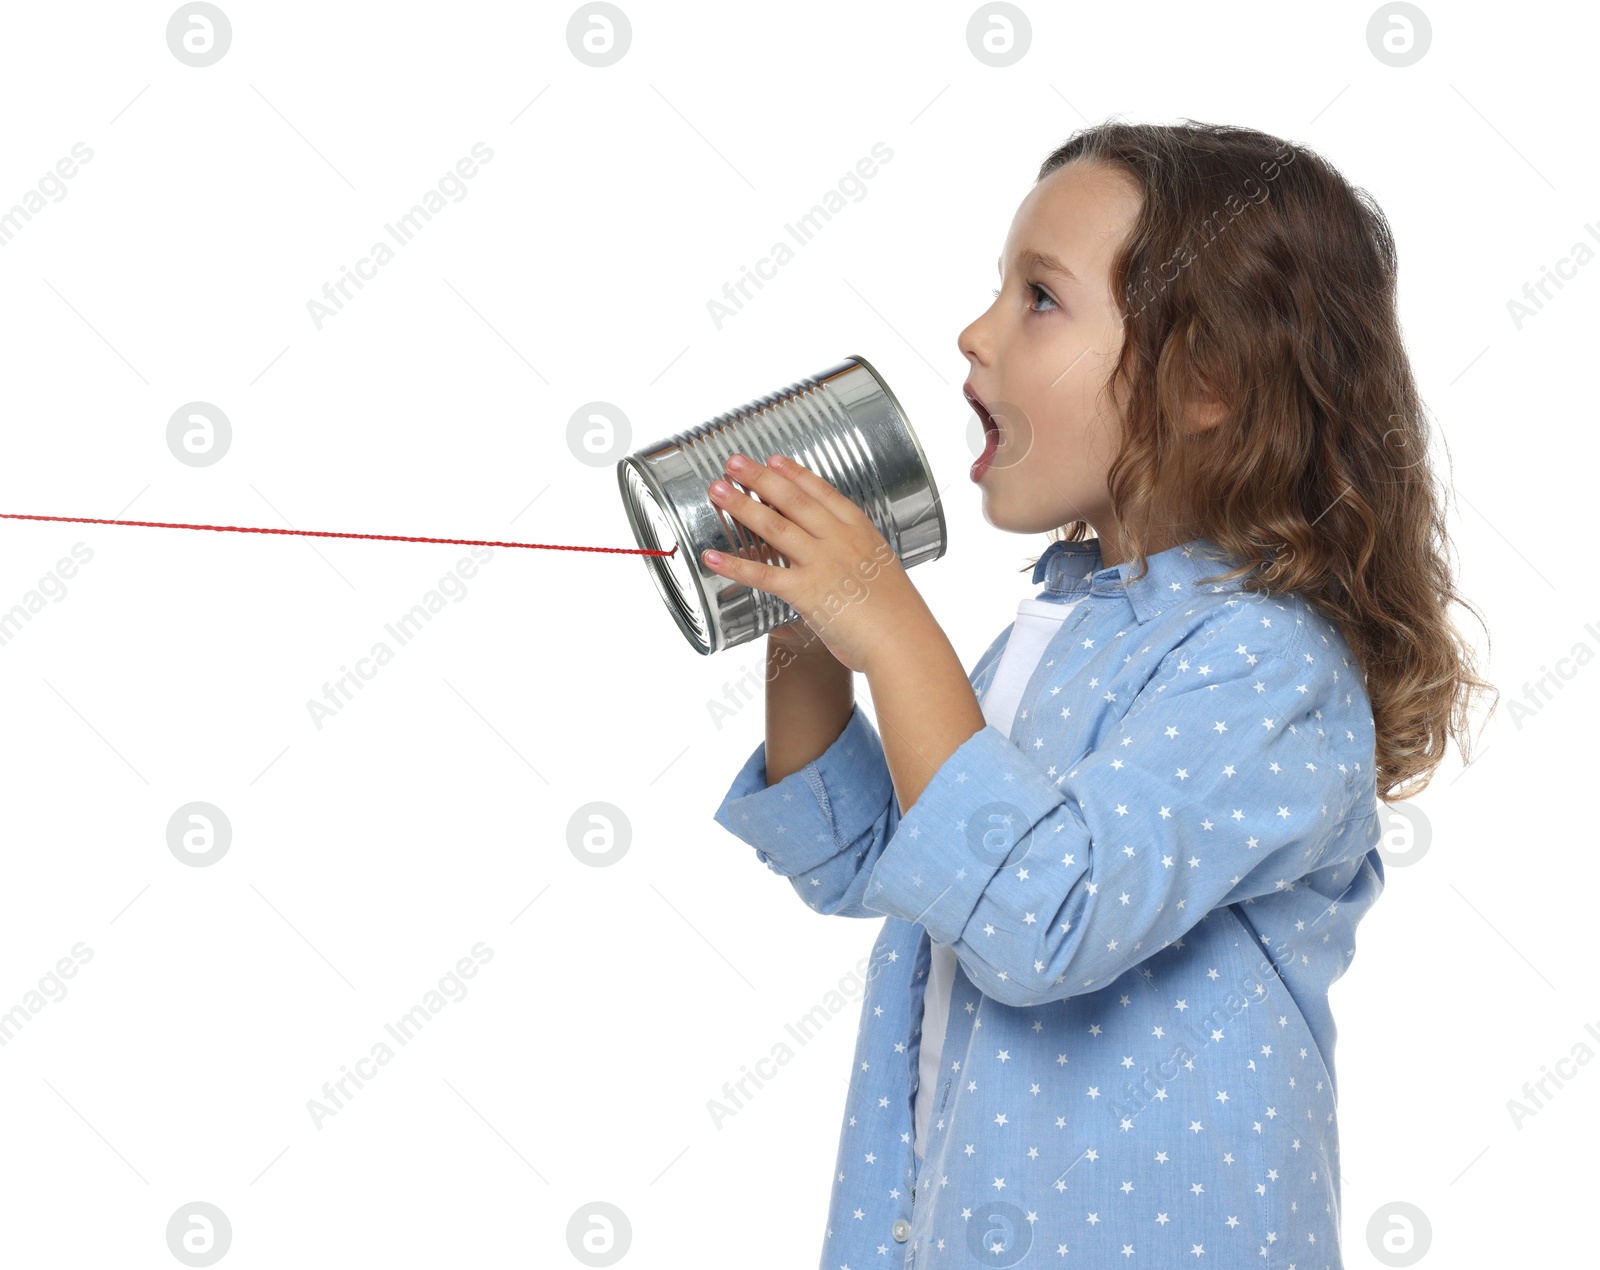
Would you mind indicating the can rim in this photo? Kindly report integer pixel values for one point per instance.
(916, 445)
(629, 463)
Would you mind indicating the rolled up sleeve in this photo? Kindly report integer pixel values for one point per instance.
(824, 825)
(1206, 794)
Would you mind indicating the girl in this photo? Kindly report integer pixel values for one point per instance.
(1122, 860)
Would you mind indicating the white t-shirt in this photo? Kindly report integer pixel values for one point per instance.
(1037, 622)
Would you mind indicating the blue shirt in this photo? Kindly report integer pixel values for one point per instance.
(1149, 887)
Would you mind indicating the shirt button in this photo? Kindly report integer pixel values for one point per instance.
(902, 1229)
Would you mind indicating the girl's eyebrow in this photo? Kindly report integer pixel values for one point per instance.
(1042, 260)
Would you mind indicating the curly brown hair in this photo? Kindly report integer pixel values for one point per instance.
(1255, 273)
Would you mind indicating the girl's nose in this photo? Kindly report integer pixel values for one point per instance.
(974, 342)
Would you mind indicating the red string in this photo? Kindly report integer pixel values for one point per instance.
(323, 533)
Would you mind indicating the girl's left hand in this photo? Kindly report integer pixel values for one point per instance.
(842, 576)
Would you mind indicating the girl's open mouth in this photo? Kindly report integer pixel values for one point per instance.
(991, 433)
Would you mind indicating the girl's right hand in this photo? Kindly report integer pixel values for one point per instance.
(795, 637)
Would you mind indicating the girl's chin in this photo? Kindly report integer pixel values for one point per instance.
(1002, 513)
(998, 512)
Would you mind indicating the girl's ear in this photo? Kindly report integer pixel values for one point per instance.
(1202, 413)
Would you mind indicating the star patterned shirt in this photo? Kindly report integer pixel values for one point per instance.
(1037, 620)
(1149, 887)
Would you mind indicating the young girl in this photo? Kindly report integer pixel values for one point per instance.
(1122, 860)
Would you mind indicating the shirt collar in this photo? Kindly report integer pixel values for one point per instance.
(1073, 569)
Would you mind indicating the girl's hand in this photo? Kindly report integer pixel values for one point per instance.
(795, 637)
(843, 578)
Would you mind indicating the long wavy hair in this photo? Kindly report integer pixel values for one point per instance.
(1256, 274)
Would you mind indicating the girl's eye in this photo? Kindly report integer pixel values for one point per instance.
(1038, 292)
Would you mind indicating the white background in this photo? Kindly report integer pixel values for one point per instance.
(371, 854)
